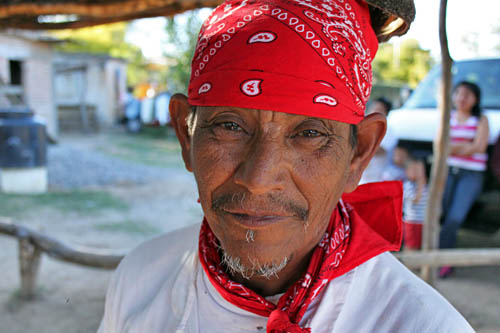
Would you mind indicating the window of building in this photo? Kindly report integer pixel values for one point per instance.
(16, 72)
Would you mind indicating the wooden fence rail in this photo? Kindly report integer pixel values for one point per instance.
(32, 244)
(451, 257)
(59, 250)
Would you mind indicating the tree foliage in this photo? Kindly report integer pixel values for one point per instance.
(107, 39)
(406, 64)
(182, 31)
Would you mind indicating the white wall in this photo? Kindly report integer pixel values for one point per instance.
(115, 72)
(37, 75)
(39, 88)
(103, 87)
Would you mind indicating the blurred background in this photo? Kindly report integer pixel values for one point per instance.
(88, 157)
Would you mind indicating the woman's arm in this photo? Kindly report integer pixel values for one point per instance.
(478, 145)
(421, 182)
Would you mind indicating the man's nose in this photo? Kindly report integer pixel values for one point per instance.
(263, 169)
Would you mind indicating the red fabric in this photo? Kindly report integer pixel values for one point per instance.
(481, 160)
(348, 242)
(308, 57)
(412, 235)
(280, 322)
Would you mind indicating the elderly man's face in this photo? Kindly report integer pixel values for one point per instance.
(268, 181)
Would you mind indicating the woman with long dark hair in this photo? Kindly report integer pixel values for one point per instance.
(467, 161)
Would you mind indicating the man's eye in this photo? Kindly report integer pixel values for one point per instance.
(230, 126)
(310, 133)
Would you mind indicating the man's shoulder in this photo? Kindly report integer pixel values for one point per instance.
(401, 298)
(144, 282)
(161, 250)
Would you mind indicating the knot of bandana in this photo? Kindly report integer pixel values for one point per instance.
(280, 323)
(285, 316)
(308, 57)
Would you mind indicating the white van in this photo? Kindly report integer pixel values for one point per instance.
(415, 124)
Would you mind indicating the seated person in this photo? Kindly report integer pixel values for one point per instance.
(273, 129)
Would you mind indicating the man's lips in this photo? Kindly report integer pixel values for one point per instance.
(262, 208)
(256, 219)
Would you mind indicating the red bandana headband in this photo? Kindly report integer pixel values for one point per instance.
(308, 57)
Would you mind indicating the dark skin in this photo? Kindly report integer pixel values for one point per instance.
(380, 108)
(276, 174)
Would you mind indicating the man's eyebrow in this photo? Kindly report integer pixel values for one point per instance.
(330, 124)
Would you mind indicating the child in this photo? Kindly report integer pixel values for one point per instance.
(414, 203)
(396, 169)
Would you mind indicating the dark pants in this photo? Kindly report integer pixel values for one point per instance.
(462, 189)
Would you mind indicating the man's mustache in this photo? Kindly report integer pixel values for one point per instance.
(271, 202)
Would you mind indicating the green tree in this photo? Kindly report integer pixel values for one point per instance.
(107, 39)
(182, 32)
(406, 64)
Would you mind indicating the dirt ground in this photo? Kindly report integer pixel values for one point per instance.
(71, 298)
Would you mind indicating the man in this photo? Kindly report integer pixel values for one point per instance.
(275, 134)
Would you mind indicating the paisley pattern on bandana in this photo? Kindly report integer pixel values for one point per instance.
(293, 47)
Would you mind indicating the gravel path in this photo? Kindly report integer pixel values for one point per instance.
(74, 168)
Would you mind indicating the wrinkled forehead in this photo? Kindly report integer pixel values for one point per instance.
(303, 57)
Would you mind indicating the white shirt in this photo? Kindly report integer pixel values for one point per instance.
(161, 287)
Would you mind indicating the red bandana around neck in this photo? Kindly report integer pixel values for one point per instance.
(348, 242)
(292, 305)
(308, 57)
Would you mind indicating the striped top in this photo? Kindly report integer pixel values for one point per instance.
(413, 211)
(466, 132)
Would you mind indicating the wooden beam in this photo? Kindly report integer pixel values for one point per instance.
(100, 9)
(25, 15)
(451, 257)
(31, 22)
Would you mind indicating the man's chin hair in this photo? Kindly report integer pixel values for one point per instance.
(267, 270)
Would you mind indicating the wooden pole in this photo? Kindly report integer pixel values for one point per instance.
(439, 171)
(29, 263)
(84, 114)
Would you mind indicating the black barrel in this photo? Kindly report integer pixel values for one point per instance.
(23, 140)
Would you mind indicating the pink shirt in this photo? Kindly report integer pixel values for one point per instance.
(466, 132)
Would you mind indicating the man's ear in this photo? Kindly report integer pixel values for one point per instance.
(371, 131)
(179, 111)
